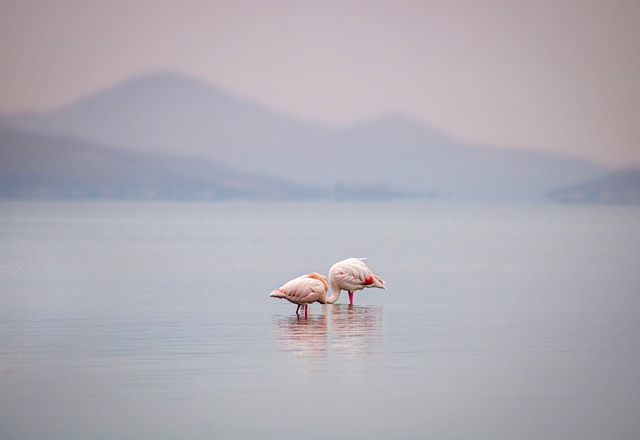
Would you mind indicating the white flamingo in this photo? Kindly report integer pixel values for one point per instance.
(304, 290)
(351, 275)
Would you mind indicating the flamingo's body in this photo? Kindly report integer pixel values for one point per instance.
(351, 275)
(304, 290)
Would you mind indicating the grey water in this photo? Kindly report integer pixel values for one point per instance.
(125, 320)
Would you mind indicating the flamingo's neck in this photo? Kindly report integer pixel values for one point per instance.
(335, 294)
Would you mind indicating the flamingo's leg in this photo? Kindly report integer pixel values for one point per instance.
(306, 306)
(351, 298)
(297, 309)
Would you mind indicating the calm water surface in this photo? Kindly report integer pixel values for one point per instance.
(153, 321)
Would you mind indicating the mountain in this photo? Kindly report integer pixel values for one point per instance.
(47, 166)
(178, 115)
(616, 187)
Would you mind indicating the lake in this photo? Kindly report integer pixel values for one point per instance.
(126, 320)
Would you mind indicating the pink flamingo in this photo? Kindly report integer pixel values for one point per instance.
(351, 275)
(304, 290)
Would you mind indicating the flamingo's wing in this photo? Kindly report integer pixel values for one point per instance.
(352, 274)
(301, 290)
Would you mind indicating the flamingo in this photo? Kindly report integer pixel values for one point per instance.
(304, 290)
(351, 275)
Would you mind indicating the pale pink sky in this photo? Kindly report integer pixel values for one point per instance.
(557, 75)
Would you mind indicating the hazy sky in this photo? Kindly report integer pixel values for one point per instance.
(559, 75)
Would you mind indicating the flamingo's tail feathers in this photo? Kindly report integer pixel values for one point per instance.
(277, 293)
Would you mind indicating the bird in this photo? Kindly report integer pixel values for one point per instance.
(304, 290)
(351, 275)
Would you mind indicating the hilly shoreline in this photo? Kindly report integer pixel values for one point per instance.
(181, 117)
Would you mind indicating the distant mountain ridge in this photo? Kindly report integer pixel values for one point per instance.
(173, 114)
(55, 167)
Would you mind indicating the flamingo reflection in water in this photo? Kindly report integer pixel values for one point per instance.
(304, 338)
(343, 330)
(355, 330)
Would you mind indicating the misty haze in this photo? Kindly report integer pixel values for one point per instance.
(167, 166)
(250, 151)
